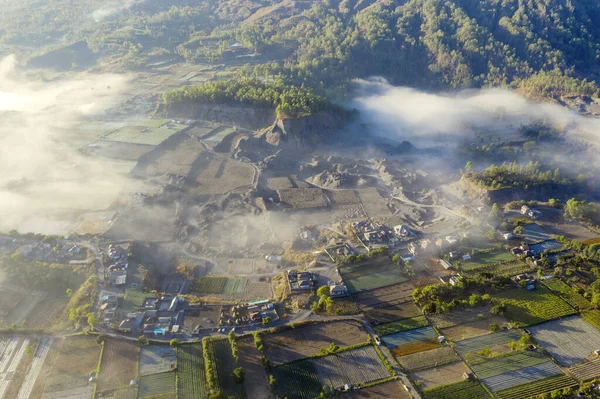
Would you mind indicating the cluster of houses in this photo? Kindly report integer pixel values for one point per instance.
(116, 272)
(371, 235)
(156, 316)
(301, 280)
(436, 245)
(531, 213)
(44, 252)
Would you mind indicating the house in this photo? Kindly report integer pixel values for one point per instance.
(466, 257)
(110, 299)
(374, 236)
(273, 259)
(403, 230)
(508, 236)
(127, 325)
(531, 213)
(304, 285)
(454, 254)
(407, 258)
(445, 264)
(525, 209)
(337, 290)
(452, 280)
(516, 250)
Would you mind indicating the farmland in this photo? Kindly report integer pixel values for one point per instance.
(162, 384)
(386, 390)
(459, 390)
(34, 369)
(521, 376)
(389, 303)
(569, 340)
(566, 292)
(215, 175)
(586, 371)
(536, 388)
(157, 359)
(356, 366)
(407, 337)
(143, 134)
(478, 343)
(74, 359)
(46, 313)
(427, 359)
(400, 325)
(533, 307)
(301, 342)
(473, 329)
(191, 378)
(434, 377)
(504, 269)
(535, 233)
(298, 380)
(251, 361)
(460, 316)
(415, 347)
(219, 351)
(486, 258)
(119, 364)
(12, 351)
(592, 317)
(371, 275)
(505, 364)
(220, 285)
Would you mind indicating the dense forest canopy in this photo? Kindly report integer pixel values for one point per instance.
(543, 47)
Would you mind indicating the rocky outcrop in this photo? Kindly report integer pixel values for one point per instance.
(302, 133)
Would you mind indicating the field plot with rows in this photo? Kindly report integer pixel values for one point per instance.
(434, 377)
(535, 233)
(301, 342)
(427, 359)
(162, 384)
(298, 380)
(33, 372)
(67, 367)
(157, 359)
(522, 376)
(586, 371)
(220, 285)
(12, 351)
(119, 364)
(460, 316)
(481, 259)
(509, 363)
(219, 351)
(459, 390)
(472, 329)
(251, 361)
(361, 365)
(569, 340)
(370, 275)
(191, 377)
(478, 343)
(566, 292)
(389, 303)
(503, 269)
(592, 317)
(407, 337)
(386, 390)
(400, 325)
(533, 307)
(533, 389)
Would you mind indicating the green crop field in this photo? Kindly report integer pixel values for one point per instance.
(219, 352)
(298, 380)
(533, 307)
(191, 376)
(563, 290)
(234, 286)
(459, 390)
(486, 258)
(401, 325)
(503, 269)
(537, 388)
(374, 274)
(592, 317)
(220, 285)
(509, 363)
(157, 384)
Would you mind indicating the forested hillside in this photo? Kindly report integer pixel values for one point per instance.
(543, 46)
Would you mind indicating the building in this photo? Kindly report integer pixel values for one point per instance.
(452, 280)
(445, 264)
(337, 290)
(508, 236)
(531, 213)
(403, 230)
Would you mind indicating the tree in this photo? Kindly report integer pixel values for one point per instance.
(266, 321)
(272, 380)
(494, 327)
(469, 166)
(174, 342)
(323, 291)
(142, 340)
(92, 320)
(499, 308)
(69, 292)
(238, 375)
(495, 214)
(518, 230)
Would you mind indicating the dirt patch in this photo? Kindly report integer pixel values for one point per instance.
(461, 316)
(428, 359)
(443, 375)
(250, 360)
(46, 313)
(298, 343)
(302, 198)
(119, 364)
(215, 175)
(373, 202)
(473, 329)
(113, 149)
(388, 303)
(175, 156)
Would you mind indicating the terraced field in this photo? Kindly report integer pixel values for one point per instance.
(434, 377)
(157, 359)
(220, 355)
(522, 376)
(569, 340)
(371, 275)
(592, 317)
(586, 371)
(533, 389)
(407, 337)
(220, 285)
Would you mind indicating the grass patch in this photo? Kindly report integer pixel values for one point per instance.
(459, 390)
(533, 307)
(400, 325)
(133, 300)
(485, 258)
(370, 275)
(210, 285)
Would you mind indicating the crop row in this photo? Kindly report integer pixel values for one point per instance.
(459, 390)
(298, 380)
(478, 343)
(400, 325)
(592, 317)
(210, 285)
(521, 376)
(507, 364)
(219, 352)
(566, 292)
(361, 365)
(537, 387)
(191, 377)
(502, 269)
(157, 384)
(586, 371)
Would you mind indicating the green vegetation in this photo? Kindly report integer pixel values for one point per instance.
(538, 387)
(588, 212)
(533, 307)
(487, 257)
(191, 381)
(459, 390)
(400, 325)
(592, 317)
(220, 364)
(297, 380)
(570, 294)
(514, 175)
(287, 100)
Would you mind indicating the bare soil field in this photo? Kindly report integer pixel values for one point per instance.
(119, 364)
(443, 375)
(302, 198)
(157, 359)
(301, 342)
(387, 390)
(460, 316)
(46, 313)
(428, 359)
(473, 329)
(279, 183)
(175, 156)
(13, 364)
(572, 231)
(343, 197)
(213, 175)
(388, 303)
(117, 150)
(374, 203)
(250, 360)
